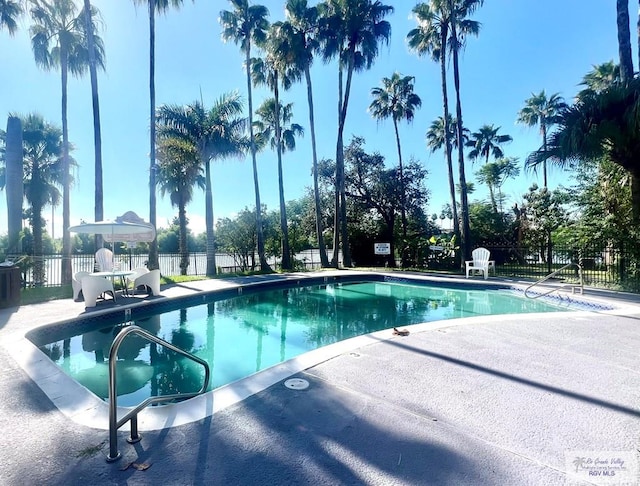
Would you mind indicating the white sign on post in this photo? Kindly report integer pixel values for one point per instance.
(382, 248)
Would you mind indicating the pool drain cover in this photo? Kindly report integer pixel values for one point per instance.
(296, 384)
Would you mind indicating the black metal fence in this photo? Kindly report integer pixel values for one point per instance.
(602, 266)
(51, 265)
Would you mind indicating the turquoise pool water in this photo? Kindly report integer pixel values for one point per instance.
(245, 334)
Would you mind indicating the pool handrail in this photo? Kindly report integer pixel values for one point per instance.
(580, 285)
(114, 423)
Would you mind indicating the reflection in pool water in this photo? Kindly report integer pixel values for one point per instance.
(245, 334)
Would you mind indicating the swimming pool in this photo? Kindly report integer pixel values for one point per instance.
(247, 333)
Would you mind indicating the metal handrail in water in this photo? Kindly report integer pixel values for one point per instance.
(114, 423)
(555, 289)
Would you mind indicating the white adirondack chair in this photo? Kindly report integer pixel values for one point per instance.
(104, 260)
(480, 263)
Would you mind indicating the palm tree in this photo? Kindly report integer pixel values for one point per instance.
(600, 77)
(43, 175)
(95, 45)
(436, 139)
(57, 38)
(154, 6)
(543, 111)
(486, 142)
(13, 158)
(461, 27)
(351, 30)
(179, 171)
(10, 10)
(216, 133)
(494, 175)
(302, 28)
(395, 99)
(248, 24)
(624, 40)
(272, 71)
(429, 38)
(281, 135)
(603, 124)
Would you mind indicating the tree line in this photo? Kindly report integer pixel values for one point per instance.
(599, 126)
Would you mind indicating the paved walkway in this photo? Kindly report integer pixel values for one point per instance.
(507, 400)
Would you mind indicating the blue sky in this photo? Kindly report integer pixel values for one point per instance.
(524, 46)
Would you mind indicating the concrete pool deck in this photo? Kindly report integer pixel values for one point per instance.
(487, 400)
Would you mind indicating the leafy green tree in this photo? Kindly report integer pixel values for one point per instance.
(373, 187)
(10, 10)
(58, 41)
(487, 142)
(489, 227)
(213, 134)
(154, 7)
(603, 199)
(544, 212)
(301, 28)
(246, 25)
(351, 30)
(238, 237)
(543, 111)
(179, 171)
(275, 127)
(395, 99)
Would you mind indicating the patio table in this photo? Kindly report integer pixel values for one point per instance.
(116, 273)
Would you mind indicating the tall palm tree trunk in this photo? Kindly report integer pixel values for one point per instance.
(324, 261)
(403, 200)
(153, 246)
(208, 203)
(624, 40)
(264, 266)
(38, 259)
(14, 183)
(66, 178)
(336, 214)
(543, 126)
(97, 134)
(447, 134)
(184, 251)
(464, 203)
(286, 251)
(346, 254)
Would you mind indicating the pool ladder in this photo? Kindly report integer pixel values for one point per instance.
(114, 423)
(578, 287)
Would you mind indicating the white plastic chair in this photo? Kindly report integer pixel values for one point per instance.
(151, 280)
(480, 263)
(104, 260)
(76, 283)
(93, 287)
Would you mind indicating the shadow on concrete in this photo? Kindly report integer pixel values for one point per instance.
(501, 374)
